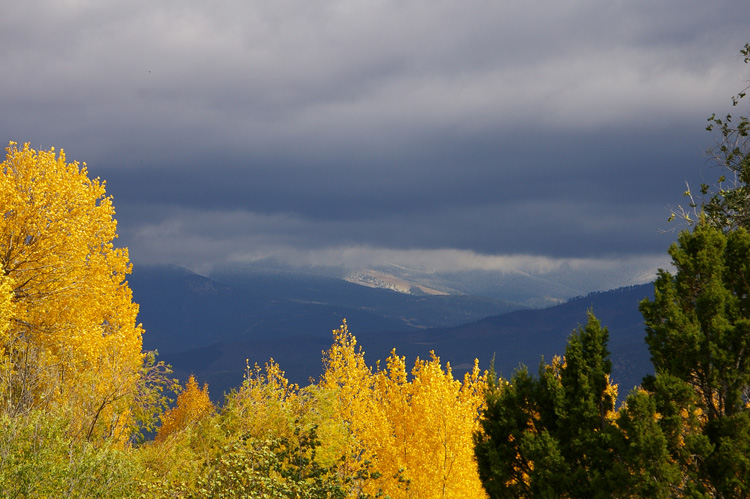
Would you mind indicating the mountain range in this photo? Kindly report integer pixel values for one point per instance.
(212, 326)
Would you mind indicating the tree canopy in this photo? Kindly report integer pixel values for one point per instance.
(72, 336)
(686, 431)
(698, 333)
(549, 436)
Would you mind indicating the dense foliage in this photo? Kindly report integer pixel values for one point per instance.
(551, 436)
(698, 332)
(72, 338)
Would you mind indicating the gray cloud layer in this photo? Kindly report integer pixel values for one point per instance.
(231, 130)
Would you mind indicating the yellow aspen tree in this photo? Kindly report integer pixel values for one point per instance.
(433, 418)
(262, 407)
(348, 377)
(6, 313)
(193, 404)
(73, 339)
(447, 412)
(415, 435)
(268, 406)
(394, 451)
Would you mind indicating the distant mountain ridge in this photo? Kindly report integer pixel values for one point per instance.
(376, 279)
(209, 326)
(539, 290)
(525, 336)
(183, 310)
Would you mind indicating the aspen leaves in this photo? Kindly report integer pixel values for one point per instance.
(71, 338)
(413, 429)
(193, 405)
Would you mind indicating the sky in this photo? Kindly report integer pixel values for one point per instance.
(454, 135)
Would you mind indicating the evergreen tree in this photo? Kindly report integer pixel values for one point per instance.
(698, 332)
(646, 468)
(552, 436)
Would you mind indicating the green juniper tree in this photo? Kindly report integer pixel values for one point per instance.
(645, 466)
(698, 333)
(551, 436)
(698, 327)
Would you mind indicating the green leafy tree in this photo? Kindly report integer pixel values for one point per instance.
(278, 468)
(727, 203)
(698, 333)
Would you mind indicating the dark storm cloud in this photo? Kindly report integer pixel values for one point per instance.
(233, 130)
(604, 169)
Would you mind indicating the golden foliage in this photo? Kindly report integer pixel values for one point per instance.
(263, 405)
(193, 404)
(268, 406)
(414, 431)
(348, 377)
(72, 338)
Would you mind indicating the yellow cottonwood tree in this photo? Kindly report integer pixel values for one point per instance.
(72, 339)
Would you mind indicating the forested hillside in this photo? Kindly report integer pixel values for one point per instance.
(522, 336)
(184, 310)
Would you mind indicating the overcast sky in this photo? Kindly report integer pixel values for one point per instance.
(446, 133)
